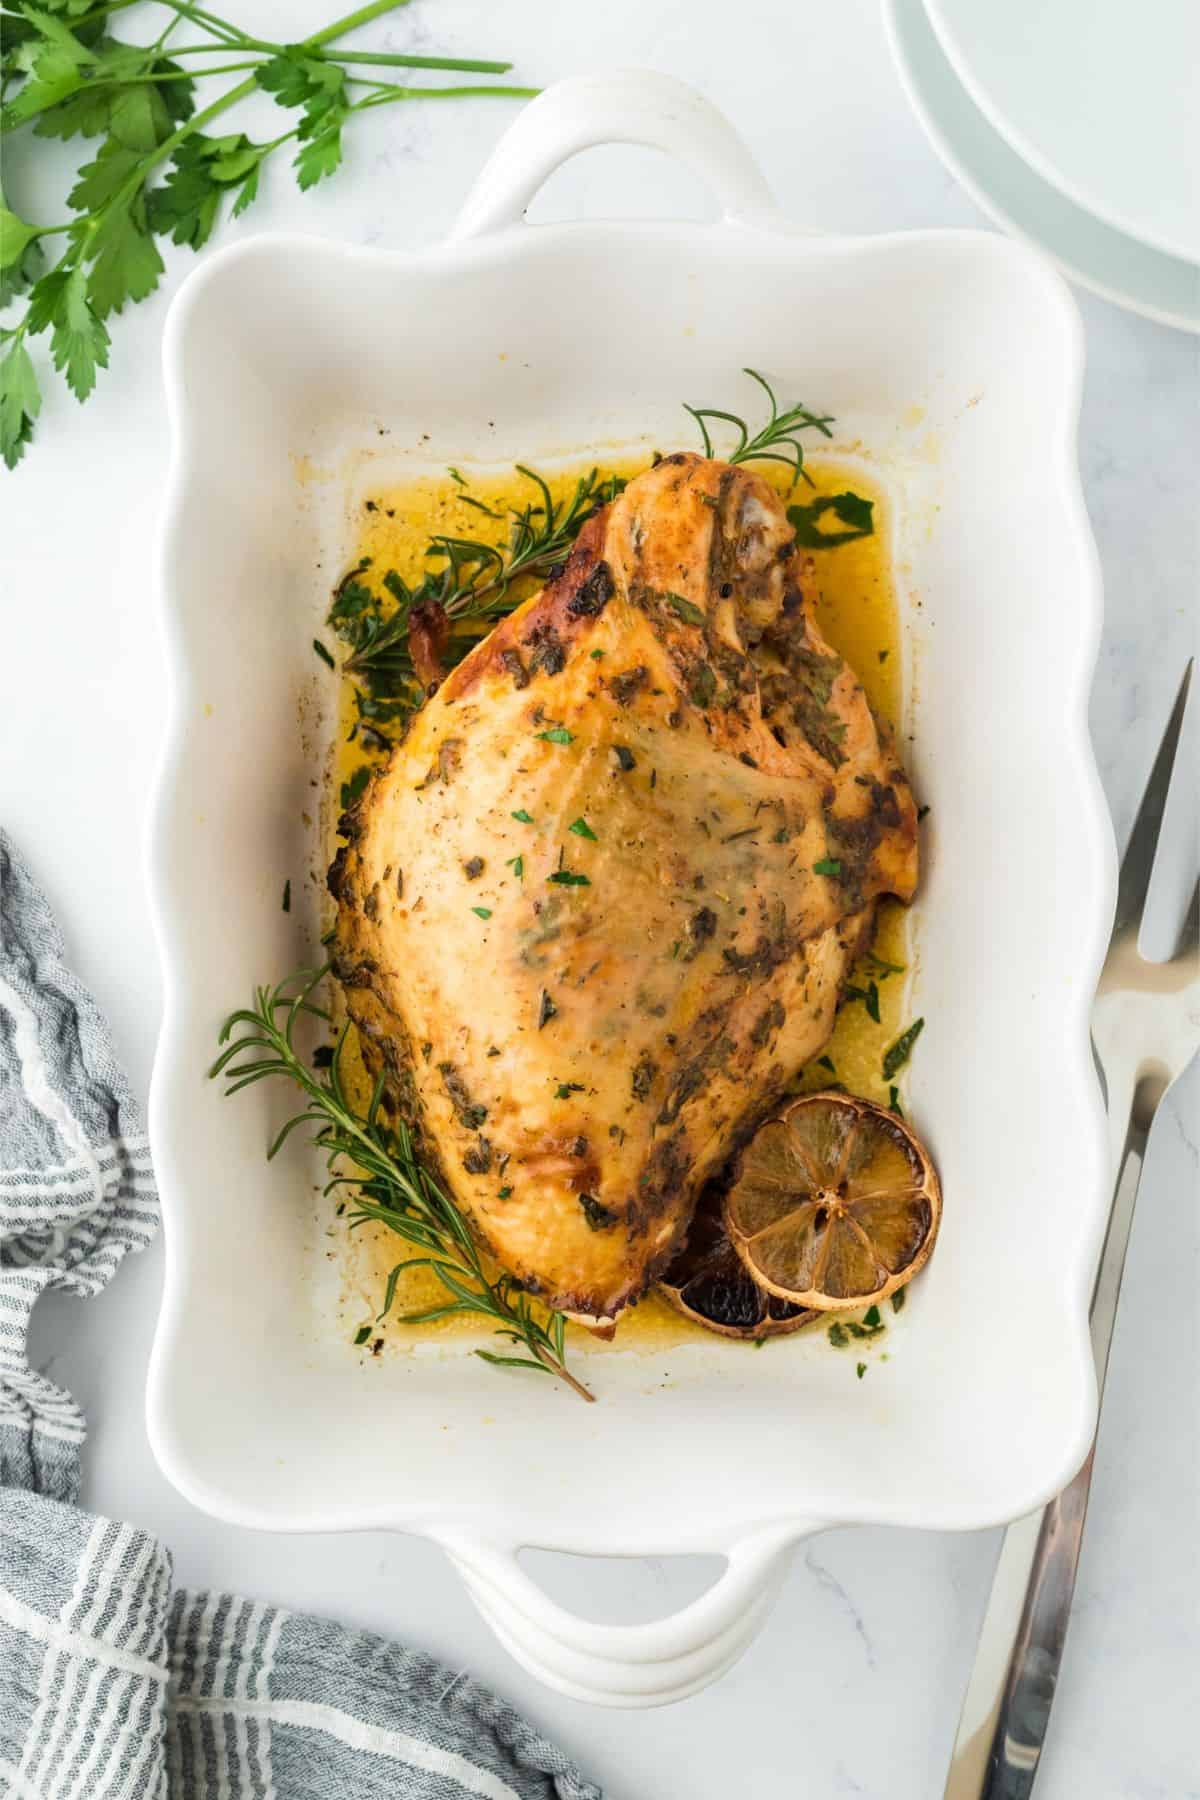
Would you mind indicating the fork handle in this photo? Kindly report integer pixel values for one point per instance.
(1007, 1704)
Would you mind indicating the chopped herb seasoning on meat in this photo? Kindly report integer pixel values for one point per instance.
(643, 1078)
(626, 687)
(593, 595)
(469, 1114)
(598, 1217)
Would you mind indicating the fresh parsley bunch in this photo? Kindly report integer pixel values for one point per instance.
(157, 172)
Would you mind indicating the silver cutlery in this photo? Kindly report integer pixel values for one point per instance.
(1145, 1032)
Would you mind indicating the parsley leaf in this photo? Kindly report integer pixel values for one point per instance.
(78, 340)
(582, 829)
(568, 878)
(851, 510)
(558, 735)
(522, 817)
(482, 912)
(828, 865)
(320, 157)
(20, 402)
(899, 1052)
(124, 257)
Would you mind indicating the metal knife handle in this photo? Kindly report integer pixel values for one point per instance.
(1007, 1704)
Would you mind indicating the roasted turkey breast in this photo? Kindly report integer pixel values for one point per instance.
(597, 909)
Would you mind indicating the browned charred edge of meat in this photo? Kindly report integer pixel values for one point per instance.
(542, 636)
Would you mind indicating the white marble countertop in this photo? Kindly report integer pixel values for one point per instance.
(854, 1686)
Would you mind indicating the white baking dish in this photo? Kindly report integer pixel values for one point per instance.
(952, 361)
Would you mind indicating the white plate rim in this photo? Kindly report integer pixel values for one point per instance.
(1036, 158)
(919, 100)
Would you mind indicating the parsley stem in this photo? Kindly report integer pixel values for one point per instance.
(220, 28)
(385, 95)
(396, 59)
(353, 20)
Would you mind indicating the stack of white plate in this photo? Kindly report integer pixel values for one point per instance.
(1076, 125)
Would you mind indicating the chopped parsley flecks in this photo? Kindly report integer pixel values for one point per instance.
(558, 734)
(899, 1052)
(517, 865)
(482, 912)
(827, 865)
(354, 787)
(522, 817)
(582, 829)
(686, 609)
(565, 1089)
(323, 653)
(851, 511)
(568, 878)
(362, 1334)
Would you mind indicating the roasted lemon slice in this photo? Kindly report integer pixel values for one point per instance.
(835, 1203)
(709, 1285)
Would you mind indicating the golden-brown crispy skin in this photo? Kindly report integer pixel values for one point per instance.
(581, 1054)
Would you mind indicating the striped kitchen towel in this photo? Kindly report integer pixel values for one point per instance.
(112, 1686)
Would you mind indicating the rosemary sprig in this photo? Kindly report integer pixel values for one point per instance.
(472, 583)
(379, 1161)
(776, 441)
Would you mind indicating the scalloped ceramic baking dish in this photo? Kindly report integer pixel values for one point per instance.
(952, 361)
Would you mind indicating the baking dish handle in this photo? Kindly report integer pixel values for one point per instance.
(628, 1665)
(629, 106)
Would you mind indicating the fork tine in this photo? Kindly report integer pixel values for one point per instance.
(1138, 861)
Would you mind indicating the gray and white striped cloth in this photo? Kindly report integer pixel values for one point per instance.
(112, 1685)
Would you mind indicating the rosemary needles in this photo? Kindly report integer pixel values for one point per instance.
(775, 441)
(376, 1158)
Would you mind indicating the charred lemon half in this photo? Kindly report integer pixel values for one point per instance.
(836, 1203)
(709, 1284)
